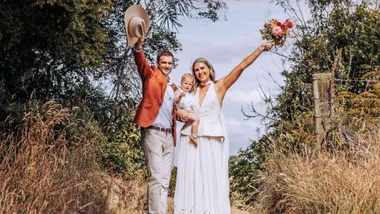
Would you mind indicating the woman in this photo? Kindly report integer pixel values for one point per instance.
(202, 177)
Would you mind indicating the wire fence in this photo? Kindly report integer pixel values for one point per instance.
(338, 104)
(365, 81)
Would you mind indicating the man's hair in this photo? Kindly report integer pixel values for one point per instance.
(164, 53)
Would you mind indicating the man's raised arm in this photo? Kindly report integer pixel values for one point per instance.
(142, 64)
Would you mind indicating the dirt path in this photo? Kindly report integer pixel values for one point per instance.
(235, 210)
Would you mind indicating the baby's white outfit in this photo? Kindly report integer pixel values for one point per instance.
(186, 101)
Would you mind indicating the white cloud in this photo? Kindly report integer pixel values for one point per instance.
(237, 127)
(241, 132)
(244, 97)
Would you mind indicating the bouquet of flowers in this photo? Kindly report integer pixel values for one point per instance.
(276, 31)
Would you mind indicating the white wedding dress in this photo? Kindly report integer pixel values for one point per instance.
(202, 185)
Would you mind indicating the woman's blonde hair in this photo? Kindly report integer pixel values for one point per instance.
(208, 64)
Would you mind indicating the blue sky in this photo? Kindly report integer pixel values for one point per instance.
(225, 44)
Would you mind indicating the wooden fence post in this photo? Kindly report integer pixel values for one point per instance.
(332, 89)
(321, 88)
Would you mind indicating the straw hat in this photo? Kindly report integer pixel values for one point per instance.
(137, 24)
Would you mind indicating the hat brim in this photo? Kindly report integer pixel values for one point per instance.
(131, 12)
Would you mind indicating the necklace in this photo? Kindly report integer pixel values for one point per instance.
(206, 83)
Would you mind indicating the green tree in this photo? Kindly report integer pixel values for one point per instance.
(44, 43)
(50, 47)
(347, 25)
(334, 25)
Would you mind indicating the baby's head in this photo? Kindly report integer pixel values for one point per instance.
(187, 82)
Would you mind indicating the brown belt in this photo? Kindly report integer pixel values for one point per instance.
(166, 130)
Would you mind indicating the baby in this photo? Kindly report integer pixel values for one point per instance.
(184, 100)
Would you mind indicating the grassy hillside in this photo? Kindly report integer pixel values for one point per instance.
(50, 163)
(345, 180)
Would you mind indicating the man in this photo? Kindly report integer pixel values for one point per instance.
(156, 116)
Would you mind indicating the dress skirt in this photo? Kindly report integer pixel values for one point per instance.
(202, 184)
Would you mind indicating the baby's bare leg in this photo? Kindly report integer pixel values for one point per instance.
(194, 119)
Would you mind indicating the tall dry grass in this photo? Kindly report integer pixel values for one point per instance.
(49, 165)
(345, 181)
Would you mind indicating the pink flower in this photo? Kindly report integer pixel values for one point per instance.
(277, 31)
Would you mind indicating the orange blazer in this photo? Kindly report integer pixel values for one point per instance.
(154, 86)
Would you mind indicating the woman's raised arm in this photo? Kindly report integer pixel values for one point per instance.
(226, 82)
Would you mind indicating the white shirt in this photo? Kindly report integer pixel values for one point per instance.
(165, 117)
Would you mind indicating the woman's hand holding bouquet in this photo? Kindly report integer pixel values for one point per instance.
(276, 31)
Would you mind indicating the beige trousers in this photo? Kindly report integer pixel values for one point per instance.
(158, 148)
